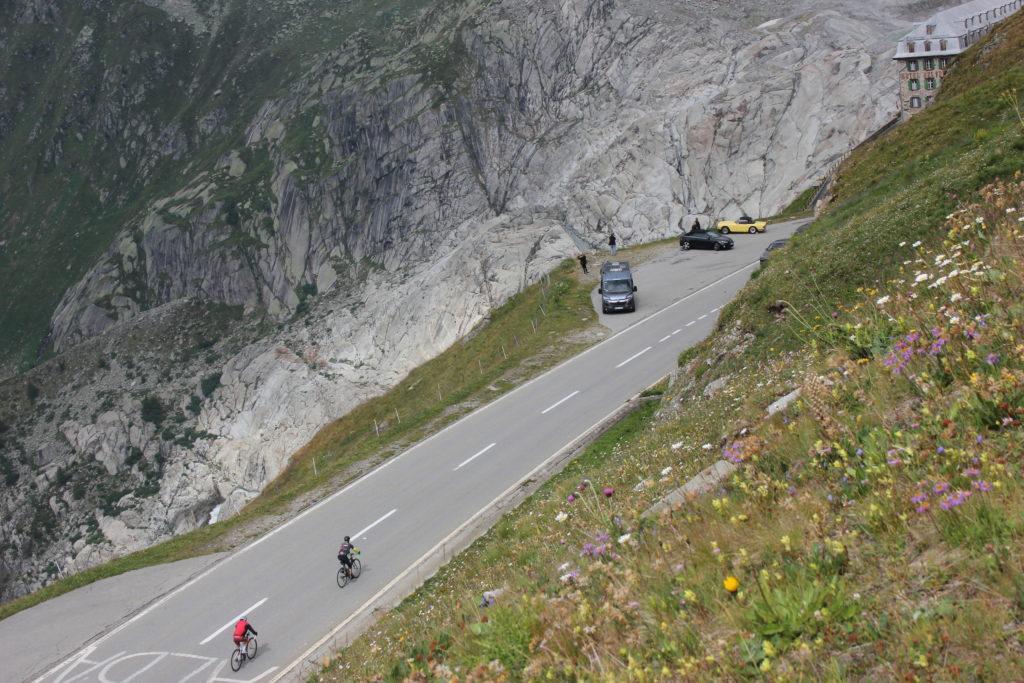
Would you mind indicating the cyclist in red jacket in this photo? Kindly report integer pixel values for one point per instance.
(242, 630)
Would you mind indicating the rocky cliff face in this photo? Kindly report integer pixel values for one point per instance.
(284, 248)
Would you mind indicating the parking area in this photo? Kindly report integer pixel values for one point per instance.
(668, 274)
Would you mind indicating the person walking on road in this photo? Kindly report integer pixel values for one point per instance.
(582, 258)
(611, 242)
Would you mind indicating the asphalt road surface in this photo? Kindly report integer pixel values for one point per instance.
(285, 581)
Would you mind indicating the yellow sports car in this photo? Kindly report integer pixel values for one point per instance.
(743, 224)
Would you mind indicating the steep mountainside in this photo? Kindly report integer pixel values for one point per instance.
(226, 222)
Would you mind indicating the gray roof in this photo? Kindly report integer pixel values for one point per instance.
(956, 22)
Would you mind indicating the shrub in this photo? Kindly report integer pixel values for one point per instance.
(153, 410)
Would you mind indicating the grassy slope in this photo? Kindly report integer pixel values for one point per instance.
(854, 556)
(473, 371)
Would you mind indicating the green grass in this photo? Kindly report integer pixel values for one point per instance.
(799, 207)
(472, 372)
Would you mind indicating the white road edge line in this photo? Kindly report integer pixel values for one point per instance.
(676, 331)
(558, 403)
(715, 310)
(472, 457)
(479, 513)
(667, 336)
(703, 316)
(232, 622)
(634, 356)
(361, 533)
(216, 565)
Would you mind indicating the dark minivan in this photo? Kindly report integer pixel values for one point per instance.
(618, 293)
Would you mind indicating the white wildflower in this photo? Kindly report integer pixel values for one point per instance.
(562, 567)
(956, 297)
(567, 577)
(954, 319)
(902, 244)
(624, 538)
(921, 277)
(561, 517)
(883, 301)
(707, 447)
(916, 244)
(979, 220)
(676, 446)
(665, 472)
(1011, 210)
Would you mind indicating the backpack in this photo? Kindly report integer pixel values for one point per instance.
(240, 628)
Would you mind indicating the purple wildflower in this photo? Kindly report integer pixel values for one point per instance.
(893, 462)
(922, 508)
(992, 359)
(940, 450)
(602, 537)
(972, 472)
(979, 439)
(983, 486)
(919, 498)
(608, 492)
(570, 498)
(954, 500)
(860, 452)
(940, 488)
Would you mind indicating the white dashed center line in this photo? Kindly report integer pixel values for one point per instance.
(473, 457)
(634, 356)
(558, 403)
(692, 322)
(360, 534)
(716, 310)
(676, 331)
(703, 316)
(232, 622)
(667, 336)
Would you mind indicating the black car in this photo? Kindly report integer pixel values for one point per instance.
(702, 239)
(776, 244)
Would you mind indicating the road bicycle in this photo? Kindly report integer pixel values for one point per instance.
(245, 650)
(345, 574)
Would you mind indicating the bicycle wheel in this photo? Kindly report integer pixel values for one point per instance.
(357, 568)
(236, 659)
(250, 649)
(342, 577)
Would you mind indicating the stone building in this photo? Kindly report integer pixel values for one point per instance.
(928, 51)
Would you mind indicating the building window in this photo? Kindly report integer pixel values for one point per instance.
(929, 29)
(929, 64)
(911, 65)
(927, 46)
(929, 84)
(914, 84)
(943, 45)
(943, 62)
(915, 102)
(910, 46)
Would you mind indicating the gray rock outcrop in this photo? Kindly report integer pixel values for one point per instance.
(374, 211)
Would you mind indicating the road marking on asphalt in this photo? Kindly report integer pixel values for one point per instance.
(360, 534)
(78, 655)
(703, 316)
(231, 623)
(692, 322)
(676, 331)
(558, 403)
(633, 357)
(667, 336)
(716, 310)
(473, 457)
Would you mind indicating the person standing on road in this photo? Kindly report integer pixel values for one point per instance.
(696, 225)
(582, 258)
(611, 242)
